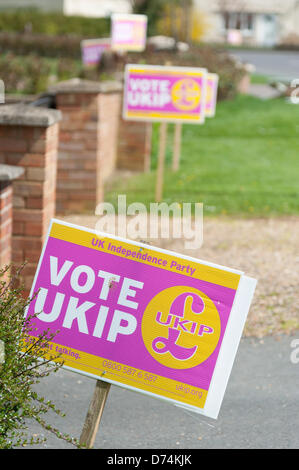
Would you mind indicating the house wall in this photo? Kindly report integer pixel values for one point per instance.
(264, 33)
(288, 22)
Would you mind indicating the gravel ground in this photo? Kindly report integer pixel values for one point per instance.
(266, 249)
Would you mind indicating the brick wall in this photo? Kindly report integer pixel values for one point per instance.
(109, 132)
(134, 145)
(29, 139)
(88, 142)
(5, 222)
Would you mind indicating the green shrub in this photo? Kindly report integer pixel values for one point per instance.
(33, 74)
(22, 369)
(41, 44)
(24, 75)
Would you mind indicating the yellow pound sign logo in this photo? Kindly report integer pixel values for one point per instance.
(181, 327)
(186, 94)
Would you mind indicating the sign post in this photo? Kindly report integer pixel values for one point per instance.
(94, 414)
(177, 146)
(147, 319)
(165, 94)
(211, 102)
(161, 161)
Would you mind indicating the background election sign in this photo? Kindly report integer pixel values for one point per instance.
(143, 318)
(163, 93)
(128, 32)
(92, 50)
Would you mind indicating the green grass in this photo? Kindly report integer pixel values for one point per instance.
(245, 161)
(260, 79)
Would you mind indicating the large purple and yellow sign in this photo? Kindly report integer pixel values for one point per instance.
(172, 94)
(140, 317)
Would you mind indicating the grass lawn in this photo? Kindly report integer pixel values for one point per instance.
(245, 161)
(260, 79)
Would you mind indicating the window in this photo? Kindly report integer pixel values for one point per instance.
(238, 20)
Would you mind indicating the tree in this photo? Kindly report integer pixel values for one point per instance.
(180, 12)
(153, 9)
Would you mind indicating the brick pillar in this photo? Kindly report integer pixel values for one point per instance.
(5, 222)
(7, 175)
(88, 142)
(29, 138)
(134, 145)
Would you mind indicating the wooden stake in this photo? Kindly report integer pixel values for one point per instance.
(161, 160)
(177, 146)
(94, 414)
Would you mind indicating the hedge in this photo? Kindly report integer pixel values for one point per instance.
(40, 44)
(34, 21)
(33, 74)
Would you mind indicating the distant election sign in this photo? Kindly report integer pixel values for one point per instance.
(143, 318)
(128, 32)
(211, 97)
(92, 50)
(163, 93)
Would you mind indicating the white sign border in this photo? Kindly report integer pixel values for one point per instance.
(171, 68)
(215, 76)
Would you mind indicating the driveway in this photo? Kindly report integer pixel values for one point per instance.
(259, 410)
(279, 64)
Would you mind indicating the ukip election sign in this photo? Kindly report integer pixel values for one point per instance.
(211, 96)
(92, 50)
(143, 318)
(164, 93)
(128, 32)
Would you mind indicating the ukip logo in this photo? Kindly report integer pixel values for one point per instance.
(181, 327)
(186, 94)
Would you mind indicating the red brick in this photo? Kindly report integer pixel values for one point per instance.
(13, 145)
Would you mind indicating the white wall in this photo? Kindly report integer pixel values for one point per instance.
(95, 8)
(289, 22)
(286, 12)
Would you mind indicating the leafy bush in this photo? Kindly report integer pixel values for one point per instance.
(35, 61)
(33, 74)
(31, 20)
(41, 44)
(24, 75)
(22, 369)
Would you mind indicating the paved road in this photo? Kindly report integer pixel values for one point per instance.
(274, 63)
(260, 408)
